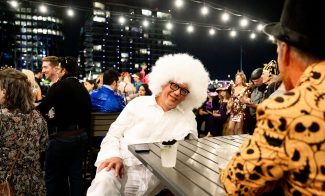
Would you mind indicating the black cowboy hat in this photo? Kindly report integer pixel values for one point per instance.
(256, 74)
(301, 26)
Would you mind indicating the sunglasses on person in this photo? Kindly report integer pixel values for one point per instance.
(175, 87)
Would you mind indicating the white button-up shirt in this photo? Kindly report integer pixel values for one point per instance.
(144, 121)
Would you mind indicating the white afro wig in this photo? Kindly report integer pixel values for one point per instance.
(181, 68)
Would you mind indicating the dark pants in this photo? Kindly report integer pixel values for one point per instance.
(250, 124)
(63, 166)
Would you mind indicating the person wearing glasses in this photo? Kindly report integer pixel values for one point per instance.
(165, 115)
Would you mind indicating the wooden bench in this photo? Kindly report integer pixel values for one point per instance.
(101, 122)
(99, 126)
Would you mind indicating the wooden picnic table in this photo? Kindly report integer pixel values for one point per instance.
(198, 163)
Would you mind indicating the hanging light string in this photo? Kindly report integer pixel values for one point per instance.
(210, 5)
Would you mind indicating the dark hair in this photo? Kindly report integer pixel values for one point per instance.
(146, 88)
(110, 76)
(70, 64)
(38, 70)
(93, 81)
(18, 90)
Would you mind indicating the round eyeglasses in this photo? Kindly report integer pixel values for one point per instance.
(175, 87)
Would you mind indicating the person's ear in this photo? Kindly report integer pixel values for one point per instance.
(286, 53)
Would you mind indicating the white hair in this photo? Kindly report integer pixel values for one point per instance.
(181, 68)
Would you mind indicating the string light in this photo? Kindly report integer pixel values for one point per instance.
(13, 3)
(70, 12)
(205, 9)
(252, 35)
(145, 23)
(121, 20)
(179, 3)
(169, 25)
(225, 17)
(212, 32)
(43, 9)
(233, 33)
(259, 27)
(190, 29)
(243, 22)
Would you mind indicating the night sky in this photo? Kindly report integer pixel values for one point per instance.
(220, 54)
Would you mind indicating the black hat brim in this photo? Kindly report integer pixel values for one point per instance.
(272, 29)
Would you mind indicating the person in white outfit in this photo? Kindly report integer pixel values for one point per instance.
(178, 83)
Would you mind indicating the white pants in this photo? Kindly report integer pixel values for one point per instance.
(137, 180)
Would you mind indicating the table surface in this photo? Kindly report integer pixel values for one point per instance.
(198, 163)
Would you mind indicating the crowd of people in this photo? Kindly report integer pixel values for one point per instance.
(230, 109)
(44, 128)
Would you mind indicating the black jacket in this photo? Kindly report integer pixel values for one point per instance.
(71, 102)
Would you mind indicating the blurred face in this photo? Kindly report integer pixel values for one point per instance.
(88, 86)
(49, 71)
(136, 79)
(265, 76)
(258, 82)
(142, 91)
(2, 96)
(169, 98)
(60, 71)
(238, 79)
(222, 93)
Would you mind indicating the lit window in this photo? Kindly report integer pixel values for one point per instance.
(166, 32)
(99, 13)
(167, 43)
(146, 12)
(97, 47)
(124, 55)
(163, 15)
(99, 5)
(143, 51)
(98, 19)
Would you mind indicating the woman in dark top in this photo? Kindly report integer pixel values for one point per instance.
(205, 112)
(219, 117)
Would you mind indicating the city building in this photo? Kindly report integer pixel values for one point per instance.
(124, 37)
(29, 31)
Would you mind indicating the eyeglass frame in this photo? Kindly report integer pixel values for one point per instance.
(174, 86)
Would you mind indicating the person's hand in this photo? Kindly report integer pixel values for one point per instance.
(216, 113)
(201, 112)
(245, 100)
(115, 163)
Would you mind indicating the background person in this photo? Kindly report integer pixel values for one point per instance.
(68, 136)
(106, 98)
(287, 148)
(21, 124)
(236, 108)
(37, 93)
(144, 90)
(165, 115)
